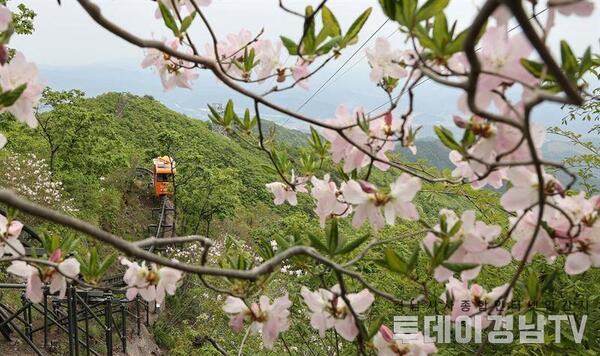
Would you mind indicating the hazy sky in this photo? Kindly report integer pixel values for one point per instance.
(66, 36)
(68, 41)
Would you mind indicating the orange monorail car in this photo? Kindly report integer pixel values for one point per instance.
(163, 176)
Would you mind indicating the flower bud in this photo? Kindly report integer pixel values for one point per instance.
(459, 121)
(3, 54)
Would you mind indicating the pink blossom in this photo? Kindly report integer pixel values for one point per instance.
(283, 192)
(389, 344)
(370, 203)
(582, 8)
(58, 283)
(578, 233)
(468, 301)
(300, 71)
(326, 194)
(266, 318)
(408, 135)
(523, 233)
(384, 61)
(173, 72)
(525, 192)
(268, 57)
(33, 290)
(352, 146)
(12, 75)
(152, 283)
(9, 235)
(474, 172)
(5, 18)
(330, 311)
(500, 54)
(477, 238)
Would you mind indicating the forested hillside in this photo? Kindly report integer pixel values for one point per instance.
(86, 150)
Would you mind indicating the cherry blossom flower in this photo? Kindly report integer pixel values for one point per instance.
(33, 289)
(586, 253)
(326, 194)
(5, 18)
(180, 4)
(268, 57)
(474, 172)
(370, 202)
(330, 311)
(500, 53)
(408, 135)
(265, 318)
(282, 191)
(389, 344)
(524, 192)
(152, 283)
(300, 71)
(384, 61)
(582, 8)
(523, 233)
(476, 237)
(173, 72)
(12, 75)
(578, 233)
(35, 281)
(351, 148)
(469, 301)
(9, 235)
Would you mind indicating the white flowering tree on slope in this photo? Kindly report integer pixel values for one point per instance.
(503, 74)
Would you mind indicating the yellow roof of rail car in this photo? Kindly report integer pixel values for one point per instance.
(164, 164)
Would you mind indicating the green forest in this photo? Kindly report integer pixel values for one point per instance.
(83, 158)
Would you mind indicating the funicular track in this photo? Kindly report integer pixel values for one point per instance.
(82, 309)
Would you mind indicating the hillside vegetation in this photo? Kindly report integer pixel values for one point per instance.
(92, 147)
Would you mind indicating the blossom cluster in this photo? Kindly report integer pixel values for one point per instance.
(29, 176)
(55, 274)
(149, 281)
(15, 73)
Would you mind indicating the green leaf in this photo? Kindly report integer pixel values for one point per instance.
(333, 236)
(455, 228)
(459, 267)
(168, 18)
(569, 61)
(412, 261)
(533, 67)
(532, 285)
(229, 113)
(290, 45)
(108, 261)
(187, 22)
(355, 28)
(468, 138)
(395, 262)
(456, 45)
(325, 48)
(440, 31)
(330, 23)
(309, 40)
(423, 37)
(374, 327)
(316, 243)
(352, 245)
(9, 97)
(409, 8)
(431, 8)
(447, 138)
